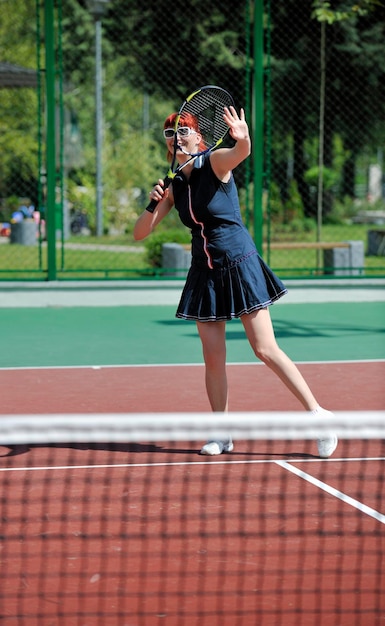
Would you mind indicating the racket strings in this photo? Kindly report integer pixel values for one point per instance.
(207, 105)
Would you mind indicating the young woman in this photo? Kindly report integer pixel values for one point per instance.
(227, 279)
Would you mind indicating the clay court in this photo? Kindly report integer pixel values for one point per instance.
(242, 554)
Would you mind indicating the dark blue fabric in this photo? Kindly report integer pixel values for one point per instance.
(227, 278)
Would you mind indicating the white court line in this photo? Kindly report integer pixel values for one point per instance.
(334, 492)
(285, 464)
(155, 365)
(44, 468)
(282, 463)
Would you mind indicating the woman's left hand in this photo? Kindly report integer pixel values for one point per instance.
(237, 123)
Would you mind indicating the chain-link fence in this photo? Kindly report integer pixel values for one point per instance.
(19, 136)
(86, 84)
(325, 97)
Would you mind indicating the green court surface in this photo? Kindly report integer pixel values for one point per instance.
(125, 335)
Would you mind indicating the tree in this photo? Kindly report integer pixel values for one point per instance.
(18, 106)
(354, 93)
(171, 52)
(356, 44)
(145, 77)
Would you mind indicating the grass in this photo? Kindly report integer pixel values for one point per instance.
(119, 257)
(19, 262)
(297, 263)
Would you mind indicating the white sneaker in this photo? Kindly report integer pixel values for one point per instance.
(327, 446)
(212, 448)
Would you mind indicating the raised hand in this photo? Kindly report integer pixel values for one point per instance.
(237, 123)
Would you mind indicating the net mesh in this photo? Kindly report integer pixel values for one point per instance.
(116, 520)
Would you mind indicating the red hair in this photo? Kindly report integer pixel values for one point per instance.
(186, 119)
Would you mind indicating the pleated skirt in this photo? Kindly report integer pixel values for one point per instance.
(229, 291)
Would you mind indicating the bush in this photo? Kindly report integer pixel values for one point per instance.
(347, 208)
(293, 207)
(330, 177)
(10, 205)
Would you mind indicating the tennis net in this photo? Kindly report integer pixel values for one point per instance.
(116, 520)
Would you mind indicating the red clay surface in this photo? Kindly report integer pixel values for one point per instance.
(337, 386)
(88, 538)
(232, 544)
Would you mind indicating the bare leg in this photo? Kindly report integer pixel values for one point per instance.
(213, 338)
(260, 333)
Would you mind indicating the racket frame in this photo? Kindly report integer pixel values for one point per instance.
(172, 172)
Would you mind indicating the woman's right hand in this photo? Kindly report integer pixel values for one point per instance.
(158, 191)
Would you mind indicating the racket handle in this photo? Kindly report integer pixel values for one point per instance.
(152, 206)
(154, 203)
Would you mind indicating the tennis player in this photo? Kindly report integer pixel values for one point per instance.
(228, 278)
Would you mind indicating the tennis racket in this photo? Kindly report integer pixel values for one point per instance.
(207, 104)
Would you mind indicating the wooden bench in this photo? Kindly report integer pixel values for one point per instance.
(344, 258)
(296, 245)
(306, 245)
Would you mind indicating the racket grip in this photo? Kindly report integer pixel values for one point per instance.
(153, 204)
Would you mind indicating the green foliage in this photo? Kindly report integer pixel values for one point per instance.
(349, 208)
(354, 96)
(155, 242)
(8, 206)
(18, 32)
(205, 42)
(81, 198)
(134, 155)
(287, 218)
(293, 205)
(274, 208)
(329, 177)
(324, 12)
(133, 150)
(18, 107)
(142, 83)
(78, 34)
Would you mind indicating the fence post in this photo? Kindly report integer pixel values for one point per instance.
(49, 38)
(258, 123)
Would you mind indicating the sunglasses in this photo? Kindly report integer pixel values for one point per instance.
(183, 131)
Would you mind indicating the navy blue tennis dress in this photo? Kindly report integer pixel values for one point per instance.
(227, 278)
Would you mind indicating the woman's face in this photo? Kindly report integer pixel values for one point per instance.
(188, 139)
